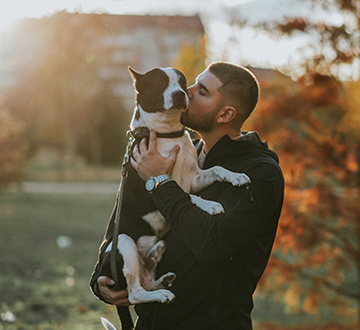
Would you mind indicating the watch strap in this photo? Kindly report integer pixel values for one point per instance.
(158, 180)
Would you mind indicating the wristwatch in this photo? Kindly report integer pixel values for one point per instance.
(155, 181)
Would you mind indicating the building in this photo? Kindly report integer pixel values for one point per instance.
(118, 41)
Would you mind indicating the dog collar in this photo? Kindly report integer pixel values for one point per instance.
(144, 132)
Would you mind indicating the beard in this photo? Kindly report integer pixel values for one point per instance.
(204, 124)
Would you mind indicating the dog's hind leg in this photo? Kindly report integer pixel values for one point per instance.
(151, 251)
(133, 272)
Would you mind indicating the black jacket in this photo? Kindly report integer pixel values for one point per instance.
(219, 259)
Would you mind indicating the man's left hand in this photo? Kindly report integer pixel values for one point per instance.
(148, 162)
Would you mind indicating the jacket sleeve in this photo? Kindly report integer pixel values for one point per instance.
(215, 237)
(96, 272)
(93, 283)
(94, 286)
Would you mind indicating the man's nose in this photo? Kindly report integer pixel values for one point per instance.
(190, 91)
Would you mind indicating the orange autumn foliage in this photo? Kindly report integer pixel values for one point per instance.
(317, 242)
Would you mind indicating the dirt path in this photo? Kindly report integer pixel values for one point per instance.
(67, 187)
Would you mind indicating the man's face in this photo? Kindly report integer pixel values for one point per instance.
(204, 103)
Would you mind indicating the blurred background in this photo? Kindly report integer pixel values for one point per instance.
(66, 100)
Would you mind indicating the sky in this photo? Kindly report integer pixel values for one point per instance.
(253, 48)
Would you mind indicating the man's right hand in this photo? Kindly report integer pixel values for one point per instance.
(118, 298)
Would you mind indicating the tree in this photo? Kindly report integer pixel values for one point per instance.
(13, 149)
(191, 61)
(314, 124)
(338, 43)
(60, 96)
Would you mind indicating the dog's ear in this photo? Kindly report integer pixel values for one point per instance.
(134, 74)
(136, 77)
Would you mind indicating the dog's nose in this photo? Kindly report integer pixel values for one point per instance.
(178, 96)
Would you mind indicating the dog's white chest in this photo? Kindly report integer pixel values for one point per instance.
(186, 165)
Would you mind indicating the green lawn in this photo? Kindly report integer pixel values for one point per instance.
(43, 284)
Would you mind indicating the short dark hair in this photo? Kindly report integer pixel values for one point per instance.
(239, 88)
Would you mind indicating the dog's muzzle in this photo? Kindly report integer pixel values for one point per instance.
(180, 100)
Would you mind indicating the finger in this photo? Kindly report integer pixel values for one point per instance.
(136, 153)
(174, 151)
(173, 156)
(152, 140)
(104, 281)
(121, 298)
(143, 146)
(122, 294)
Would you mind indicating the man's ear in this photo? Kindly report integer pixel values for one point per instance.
(226, 114)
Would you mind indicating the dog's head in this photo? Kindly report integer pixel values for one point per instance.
(160, 90)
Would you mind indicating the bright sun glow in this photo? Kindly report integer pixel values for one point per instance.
(252, 48)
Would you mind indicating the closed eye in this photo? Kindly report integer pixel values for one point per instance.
(203, 90)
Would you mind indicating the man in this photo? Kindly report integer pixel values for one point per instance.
(218, 259)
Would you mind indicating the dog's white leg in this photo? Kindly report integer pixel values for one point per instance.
(145, 244)
(205, 178)
(133, 273)
(210, 207)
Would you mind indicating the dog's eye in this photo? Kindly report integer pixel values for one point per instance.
(160, 83)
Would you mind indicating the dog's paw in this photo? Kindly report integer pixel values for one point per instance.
(168, 279)
(166, 296)
(214, 208)
(210, 207)
(237, 179)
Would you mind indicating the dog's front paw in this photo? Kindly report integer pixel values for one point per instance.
(214, 208)
(210, 207)
(238, 179)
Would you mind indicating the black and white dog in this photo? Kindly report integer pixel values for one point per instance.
(161, 97)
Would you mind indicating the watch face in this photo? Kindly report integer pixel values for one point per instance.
(150, 184)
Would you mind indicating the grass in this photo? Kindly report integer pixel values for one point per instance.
(45, 285)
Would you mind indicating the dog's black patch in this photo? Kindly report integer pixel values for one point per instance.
(105, 270)
(182, 80)
(150, 88)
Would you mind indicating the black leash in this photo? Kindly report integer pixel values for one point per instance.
(133, 137)
(123, 311)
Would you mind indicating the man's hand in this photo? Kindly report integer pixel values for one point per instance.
(149, 162)
(118, 298)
